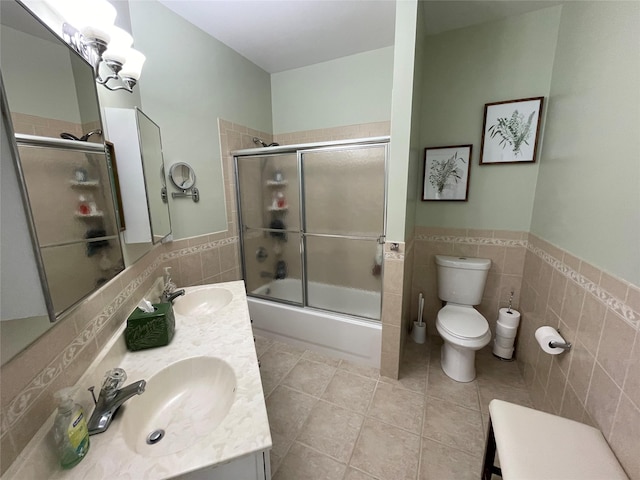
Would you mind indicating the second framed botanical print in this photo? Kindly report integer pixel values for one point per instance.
(510, 131)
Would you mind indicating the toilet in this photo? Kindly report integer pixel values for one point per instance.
(461, 281)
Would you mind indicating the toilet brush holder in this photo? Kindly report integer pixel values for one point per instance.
(419, 332)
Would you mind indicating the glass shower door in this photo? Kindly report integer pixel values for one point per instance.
(269, 205)
(344, 199)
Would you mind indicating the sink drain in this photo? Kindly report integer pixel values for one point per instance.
(155, 436)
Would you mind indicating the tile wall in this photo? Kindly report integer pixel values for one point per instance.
(395, 305)
(598, 381)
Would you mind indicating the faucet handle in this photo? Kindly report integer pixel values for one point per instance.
(113, 380)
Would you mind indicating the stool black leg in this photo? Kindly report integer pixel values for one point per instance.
(488, 468)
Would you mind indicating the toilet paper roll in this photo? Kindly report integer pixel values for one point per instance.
(547, 334)
(503, 342)
(505, 331)
(509, 318)
(502, 352)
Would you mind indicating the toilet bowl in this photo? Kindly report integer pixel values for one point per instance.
(464, 330)
(461, 282)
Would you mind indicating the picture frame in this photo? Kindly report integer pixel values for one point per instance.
(446, 173)
(510, 131)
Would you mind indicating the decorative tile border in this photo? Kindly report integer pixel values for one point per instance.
(498, 242)
(610, 301)
(204, 247)
(618, 306)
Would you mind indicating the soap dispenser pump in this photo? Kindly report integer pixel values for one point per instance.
(169, 286)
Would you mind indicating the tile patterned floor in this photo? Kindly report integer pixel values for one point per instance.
(333, 420)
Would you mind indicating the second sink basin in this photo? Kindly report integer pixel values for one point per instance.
(181, 404)
(202, 301)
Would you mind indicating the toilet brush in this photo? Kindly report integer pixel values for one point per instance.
(419, 331)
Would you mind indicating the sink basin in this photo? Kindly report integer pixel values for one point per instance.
(186, 400)
(203, 301)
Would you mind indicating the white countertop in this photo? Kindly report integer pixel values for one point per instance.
(226, 335)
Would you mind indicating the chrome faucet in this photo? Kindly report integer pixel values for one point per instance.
(169, 293)
(111, 398)
(169, 297)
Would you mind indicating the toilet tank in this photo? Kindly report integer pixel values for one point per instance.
(461, 280)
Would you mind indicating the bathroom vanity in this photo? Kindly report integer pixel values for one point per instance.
(203, 389)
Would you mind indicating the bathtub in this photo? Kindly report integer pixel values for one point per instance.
(349, 337)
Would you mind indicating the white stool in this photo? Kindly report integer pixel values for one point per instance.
(536, 445)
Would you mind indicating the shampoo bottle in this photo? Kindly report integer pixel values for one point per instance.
(70, 429)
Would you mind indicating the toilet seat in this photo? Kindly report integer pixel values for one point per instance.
(464, 323)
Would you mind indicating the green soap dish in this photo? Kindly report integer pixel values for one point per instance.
(150, 330)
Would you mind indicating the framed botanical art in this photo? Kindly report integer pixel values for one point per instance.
(510, 131)
(446, 173)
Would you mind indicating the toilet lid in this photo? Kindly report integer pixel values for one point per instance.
(465, 322)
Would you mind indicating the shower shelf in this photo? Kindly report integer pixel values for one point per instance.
(278, 209)
(274, 183)
(87, 184)
(89, 215)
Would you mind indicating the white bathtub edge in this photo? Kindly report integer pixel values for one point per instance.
(341, 336)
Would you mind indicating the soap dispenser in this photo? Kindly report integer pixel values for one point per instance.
(70, 430)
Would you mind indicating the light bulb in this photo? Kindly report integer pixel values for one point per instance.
(119, 45)
(132, 67)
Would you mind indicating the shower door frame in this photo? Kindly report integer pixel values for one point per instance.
(300, 150)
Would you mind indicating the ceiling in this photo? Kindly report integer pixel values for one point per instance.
(280, 35)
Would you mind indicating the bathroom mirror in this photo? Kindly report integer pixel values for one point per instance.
(184, 178)
(154, 180)
(138, 152)
(64, 187)
(182, 175)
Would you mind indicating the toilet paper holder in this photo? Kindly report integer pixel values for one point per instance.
(564, 346)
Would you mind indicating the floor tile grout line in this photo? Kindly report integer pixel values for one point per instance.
(355, 444)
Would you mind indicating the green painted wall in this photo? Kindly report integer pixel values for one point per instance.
(347, 91)
(28, 92)
(464, 69)
(588, 195)
(415, 147)
(188, 81)
(401, 121)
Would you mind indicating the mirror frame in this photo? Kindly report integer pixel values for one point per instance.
(37, 257)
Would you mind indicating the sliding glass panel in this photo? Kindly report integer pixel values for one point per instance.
(344, 190)
(269, 195)
(344, 275)
(272, 264)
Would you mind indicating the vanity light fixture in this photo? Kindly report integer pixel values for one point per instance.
(88, 28)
